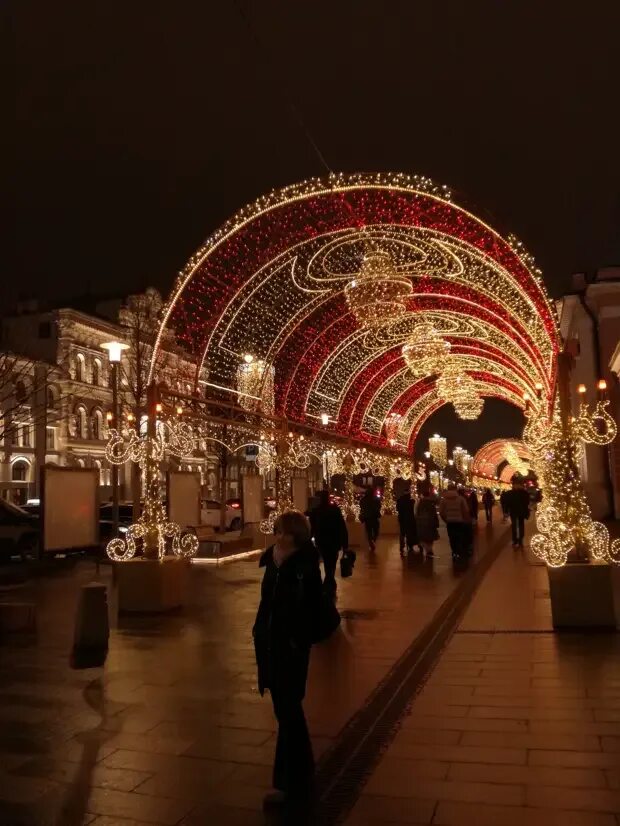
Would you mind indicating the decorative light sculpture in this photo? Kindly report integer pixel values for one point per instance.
(378, 294)
(438, 447)
(425, 351)
(563, 518)
(153, 528)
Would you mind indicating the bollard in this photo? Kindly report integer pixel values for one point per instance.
(92, 629)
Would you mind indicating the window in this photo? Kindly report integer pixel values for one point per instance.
(79, 367)
(96, 372)
(51, 398)
(19, 471)
(82, 428)
(45, 329)
(26, 435)
(97, 424)
(50, 438)
(21, 394)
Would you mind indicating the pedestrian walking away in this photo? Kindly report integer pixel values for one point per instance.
(329, 531)
(455, 512)
(503, 501)
(406, 521)
(518, 506)
(370, 516)
(472, 501)
(427, 521)
(488, 500)
(291, 601)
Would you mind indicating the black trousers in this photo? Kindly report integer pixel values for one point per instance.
(518, 529)
(330, 560)
(408, 537)
(372, 530)
(457, 537)
(293, 768)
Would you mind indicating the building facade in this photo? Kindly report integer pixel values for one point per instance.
(55, 396)
(590, 325)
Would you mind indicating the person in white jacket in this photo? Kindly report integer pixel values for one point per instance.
(454, 511)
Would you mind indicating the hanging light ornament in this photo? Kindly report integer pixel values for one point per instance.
(465, 398)
(378, 294)
(438, 447)
(426, 351)
(392, 425)
(255, 384)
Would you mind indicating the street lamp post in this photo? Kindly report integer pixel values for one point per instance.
(115, 351)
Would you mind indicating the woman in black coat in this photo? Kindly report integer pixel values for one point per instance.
(291, 594)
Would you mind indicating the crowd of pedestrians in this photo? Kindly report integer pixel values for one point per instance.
(297, 608)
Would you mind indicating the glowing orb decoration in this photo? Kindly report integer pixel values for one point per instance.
(426, 351)
(378, 294)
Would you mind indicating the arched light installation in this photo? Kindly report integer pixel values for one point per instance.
(326, 281)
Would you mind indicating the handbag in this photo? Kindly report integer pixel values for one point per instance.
(347, 561)
(325, 617)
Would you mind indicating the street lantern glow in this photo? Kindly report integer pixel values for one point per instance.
(324, 419)
(114, 350)
(581, 389)
(248, 358)
(602, 385)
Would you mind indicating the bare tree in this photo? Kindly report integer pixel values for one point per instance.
(141, 319)
(23, 393)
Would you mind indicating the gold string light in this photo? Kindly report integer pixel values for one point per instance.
(425, 351)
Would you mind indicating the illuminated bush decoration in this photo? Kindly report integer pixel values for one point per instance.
(563, 519)
(425, 351)
(378, 294)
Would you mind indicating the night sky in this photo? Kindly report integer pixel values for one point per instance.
(143, 126)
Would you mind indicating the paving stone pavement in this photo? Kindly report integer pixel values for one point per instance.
(516, 725)
(172, 730)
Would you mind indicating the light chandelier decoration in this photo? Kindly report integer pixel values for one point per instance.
(392, 425)
(438, 447)
(379, 294)
(563, 519)
(153, 529)
(255, 385)
(425, 351)
(459, 389)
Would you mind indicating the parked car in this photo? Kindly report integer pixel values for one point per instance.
(106, 526)
(210, 515)
(19, 532)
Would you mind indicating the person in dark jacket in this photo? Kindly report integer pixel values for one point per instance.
(518, 503)
(472, 501)
(427, 521)
(370, 515)
(488, 500)
(503, 501)
(329, 531)
(291, 595)
(406, 521)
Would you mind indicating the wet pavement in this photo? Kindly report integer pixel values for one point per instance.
(516, 725)
(172, 730)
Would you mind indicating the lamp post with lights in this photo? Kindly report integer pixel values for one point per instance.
(115, 350)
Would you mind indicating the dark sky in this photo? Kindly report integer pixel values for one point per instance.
(143, 125)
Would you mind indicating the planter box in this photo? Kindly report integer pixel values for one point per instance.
(153, 586)
(584, 595)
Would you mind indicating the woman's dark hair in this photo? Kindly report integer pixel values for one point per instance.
(424, 488)
(293, 523)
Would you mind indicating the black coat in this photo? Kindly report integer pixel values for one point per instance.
(405, 511)
(329, 528)
(370, 508)
(518, 502)
(290, 601)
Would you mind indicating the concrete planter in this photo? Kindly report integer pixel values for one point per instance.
(153, 586)
(584, 595)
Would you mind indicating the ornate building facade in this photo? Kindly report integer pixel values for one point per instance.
(56, 394)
